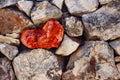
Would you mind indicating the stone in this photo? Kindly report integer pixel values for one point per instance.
(12, 21)
(116, 46)
(104, 1)
(44, 11)
(25, 6)
(58, 3)
(117, 59)
(6, 71)
(118, 67)
(13, 35)
(5, 3)
(79, 7)
(67, 47)
(103, 24)
(9, 40)
(8, 50)
(74, 27)
(92, 61)
(37, 64)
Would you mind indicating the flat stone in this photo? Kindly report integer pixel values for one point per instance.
(104, 1)
(25, 6)
(78, 7)
(37, 64)
(5, 3)
(58, 3)
(95, 59)
(8, 50)
(104, 23)
(6, 72)
(74, 27)
(117, 59)
(116, 45)
(12, 21)
(9, 40)
(44, 11)
(67, 47)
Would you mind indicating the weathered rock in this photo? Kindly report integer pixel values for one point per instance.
(58, 3)
(13, 35)
(78, 7)
(6, 72)
(116, 45)
(25, 6)
(104, 23)
(67, 47)
(117, 59)
(12, 21)
(93, 60)
(5, 3)
(43, 11)
(118, 67)
(74, 27)
(9, 40)
(37, 64)
(104, 1)
(8, 50)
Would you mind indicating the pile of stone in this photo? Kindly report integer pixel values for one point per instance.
(90, 49)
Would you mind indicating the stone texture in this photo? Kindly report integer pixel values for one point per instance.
(9, 40)
(43, 11)
(37, 64)
(92, 61)
(12, 21)
(78, 7)
(8, 50)
(118, 67)
(25, 6)
(116, 45)
(104, 23)
(74, 27)
(58, 3)
(67, 47)
(5, 3)
(13, 35)
(104, 1)
(117, 59)
(6, 72)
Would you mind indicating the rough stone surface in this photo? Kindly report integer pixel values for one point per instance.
(9, 40)
(117, 59)
(78, 7)
(13, 35)
(43, 11)
(58, 3)
(118, 67)
(116, 45)
(6, 72)
(5, 3)
(12, 21)
(8, 50)
(104, 23)
(67, 47)
(25, 6)
(74, 27)
(94, 60)
(37, 64)
(104, 1)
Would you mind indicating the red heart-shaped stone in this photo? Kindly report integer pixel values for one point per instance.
(48, 36)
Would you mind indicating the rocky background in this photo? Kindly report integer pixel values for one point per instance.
(90, 49)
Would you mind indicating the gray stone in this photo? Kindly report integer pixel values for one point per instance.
(9, 40)
(12, 21)
(43, 11)
(5, 3)
(116, 45)
(6, 72)
(37, 64)
(58, 3)
(104, 1)
(92, 61)
(67, 47)
(78, 7)
(104, 23)
(25, 6)
(8, 50)
(74, 27)
(118, 67)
